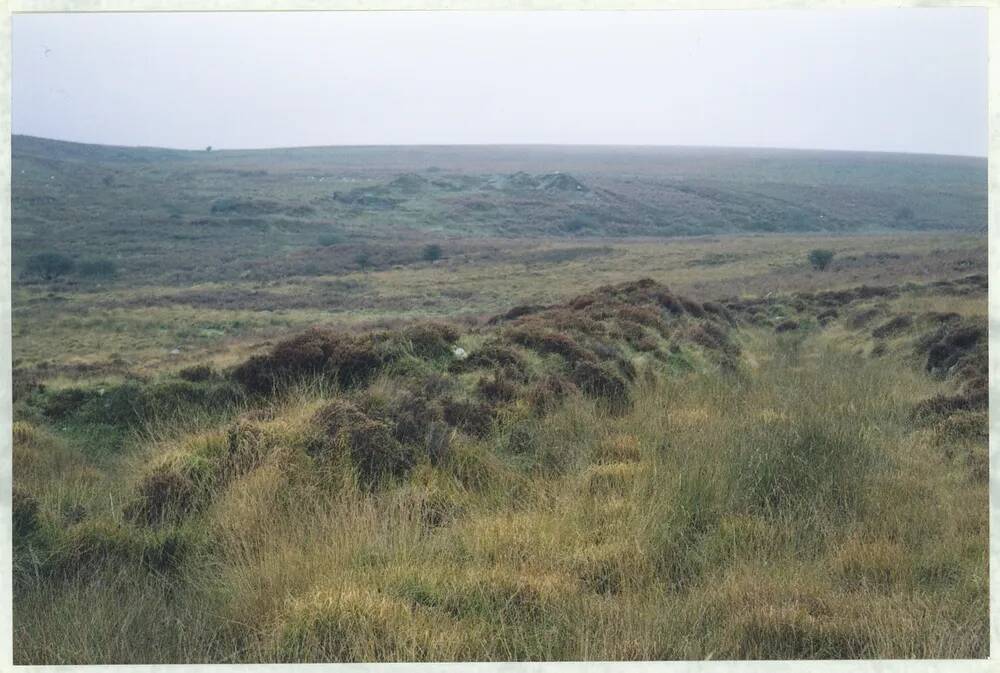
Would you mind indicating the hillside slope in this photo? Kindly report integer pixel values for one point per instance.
(146, 205)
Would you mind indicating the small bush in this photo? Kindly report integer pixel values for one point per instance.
(344, 358)
(432, 252)
(549, 393)
(950, 345)
(431, 339)
(497, 355)
(496, 388)
(820, 259)
(712, 337)
(474, 418)
(196, 373)
(643, 315)
(373, 450)
(544, 341)
(692, 307)
(60, 404)
(411, 415)
(49, 265)
(164, 493)
(600, 382)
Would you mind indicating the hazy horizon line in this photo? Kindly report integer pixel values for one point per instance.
(500, 144)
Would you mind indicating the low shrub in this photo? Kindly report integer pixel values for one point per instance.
(374, 452)
(196, 373)
(496, 355)
(49, 265)
(820, 259)
(893, 326)
(692, 307)
(431, 339)
(950, 345)
(474, 418)
(59, 404)
(548, 393)
(496, 388)
(411, 415)
(345, 358)
(712, 337)
(432, 252)
(597, 381)
(546, 341)
(166, 492)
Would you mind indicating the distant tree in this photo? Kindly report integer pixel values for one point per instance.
(904, 214)
(820, 259)
(108, 180)
(363, 259)
(432, 252)
(49, 265)
(97, 268)
(208, 149)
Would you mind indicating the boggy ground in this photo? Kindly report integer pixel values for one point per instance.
(630, 474)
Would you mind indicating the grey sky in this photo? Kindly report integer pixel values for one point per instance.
(909, 80)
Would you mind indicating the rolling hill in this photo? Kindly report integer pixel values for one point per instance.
(147, 207)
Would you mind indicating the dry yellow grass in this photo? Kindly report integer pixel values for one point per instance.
(687, 528)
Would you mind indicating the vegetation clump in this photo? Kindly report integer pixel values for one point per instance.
(548, 393)
(545, 340)
(374, 452)
(474, 418)
(432, 252)
(598, 381)
(431, 339)
(893, 326)
(49, 265)
(344, 358)
(820, 259)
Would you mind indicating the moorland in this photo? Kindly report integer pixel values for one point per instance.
(497, 403)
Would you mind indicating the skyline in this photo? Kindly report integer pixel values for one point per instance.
(889, 80)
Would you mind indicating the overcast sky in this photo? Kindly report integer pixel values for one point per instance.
(910, 80)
